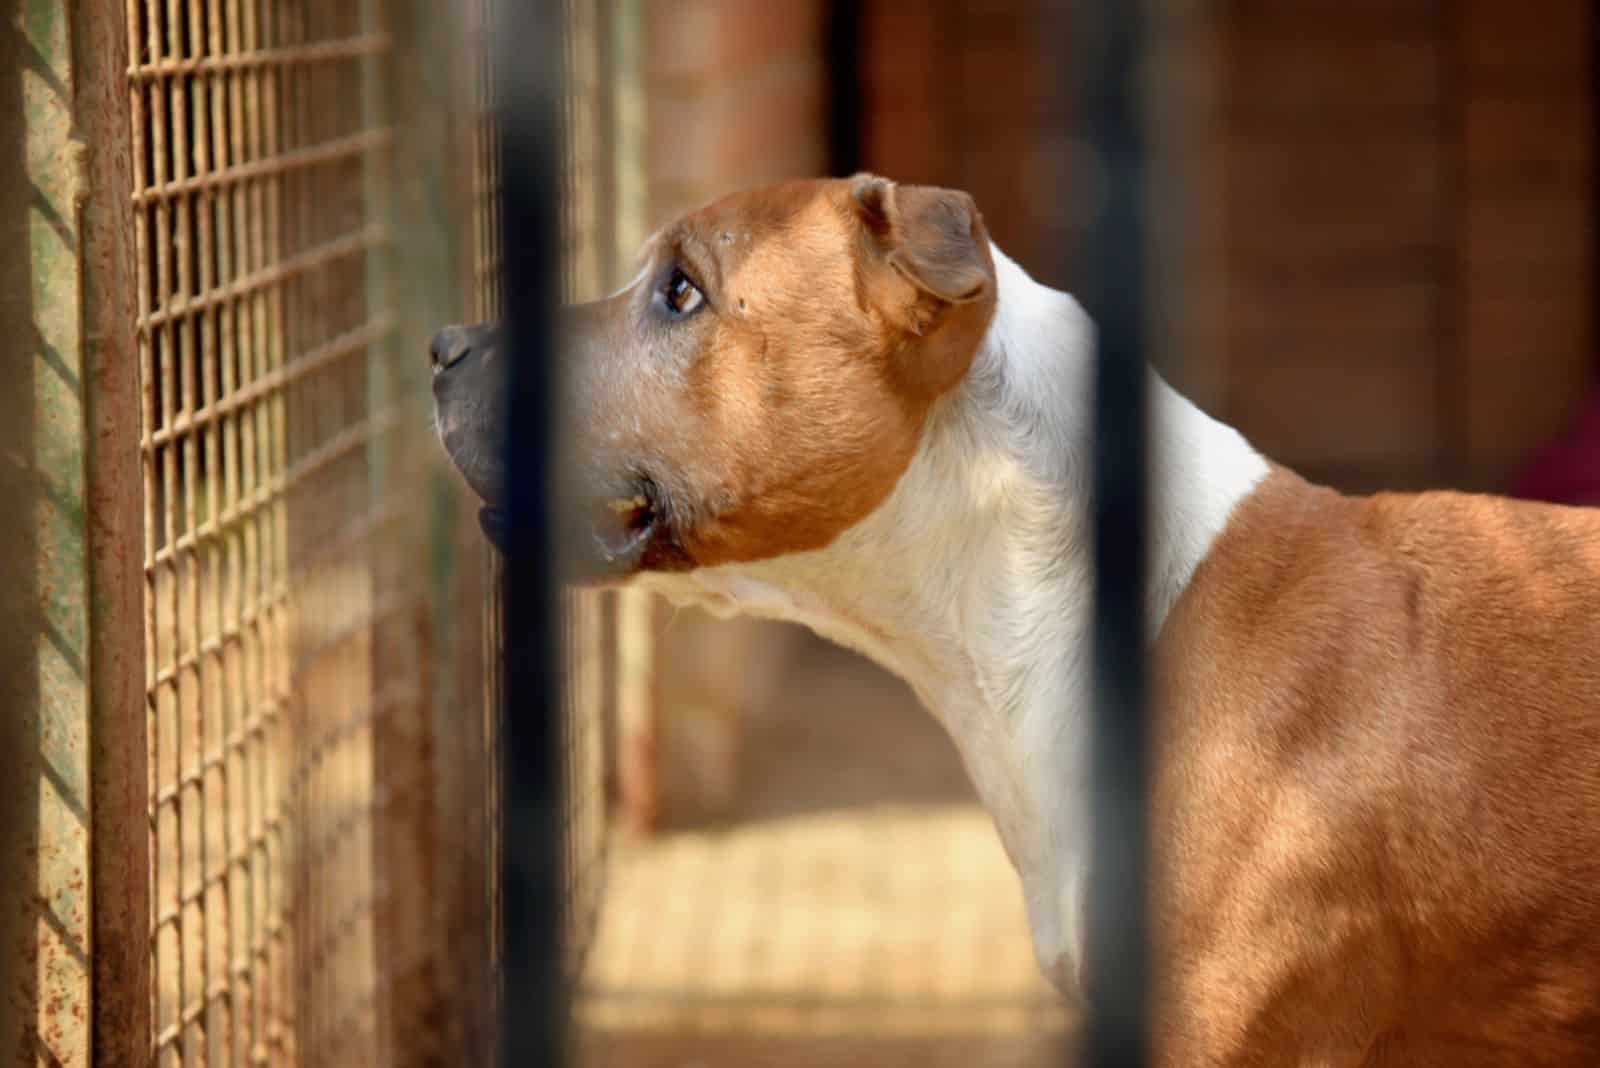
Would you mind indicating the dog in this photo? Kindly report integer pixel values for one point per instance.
(1376, 798)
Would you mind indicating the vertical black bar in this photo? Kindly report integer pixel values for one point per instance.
(1594, 173)
(1111, 279)
(845, 97)
(527, 48)
(1450, 362)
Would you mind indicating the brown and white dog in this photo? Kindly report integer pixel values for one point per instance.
(1377, 806)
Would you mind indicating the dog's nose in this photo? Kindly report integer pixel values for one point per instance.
(448, 347)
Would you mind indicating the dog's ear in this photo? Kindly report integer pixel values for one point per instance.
(933, 237)
(928, 271)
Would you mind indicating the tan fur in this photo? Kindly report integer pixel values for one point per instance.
(1379, 799)
(808, 388)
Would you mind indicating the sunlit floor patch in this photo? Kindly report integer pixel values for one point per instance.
(880, 933)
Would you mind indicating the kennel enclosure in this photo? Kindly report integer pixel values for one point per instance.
(253, 811)
(234, 223)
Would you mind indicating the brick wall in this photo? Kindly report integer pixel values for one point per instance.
(954, 95)
(1526, 241)
(1336, 147)
(1377, 216)
(1409, 204)
(737, 96)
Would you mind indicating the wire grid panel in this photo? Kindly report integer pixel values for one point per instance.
(588, 639)
(253, 155)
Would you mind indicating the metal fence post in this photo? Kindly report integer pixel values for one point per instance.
(119, 781)
(1109, 39)
(533, 1002)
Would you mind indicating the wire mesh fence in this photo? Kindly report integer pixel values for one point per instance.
(258, 332)
(301, 835)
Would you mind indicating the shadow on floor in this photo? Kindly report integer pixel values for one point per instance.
(858, 911)
(843, 734)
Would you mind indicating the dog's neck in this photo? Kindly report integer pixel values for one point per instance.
(972, 581)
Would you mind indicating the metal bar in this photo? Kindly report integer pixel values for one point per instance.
(1109, 39)
(276, 165)
(845, 93)
(301, 55)
(146, 237)
(167, 843)
(233, 744)
(260, 575)
(528, 69)
(189, 712)
(214, 1021)
(320, 358)
(357, 243)
(119, 830)
(1593, 91)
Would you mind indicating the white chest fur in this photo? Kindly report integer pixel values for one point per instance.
(972, 580)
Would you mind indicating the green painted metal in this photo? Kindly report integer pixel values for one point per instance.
(44, 683)
(71, 667)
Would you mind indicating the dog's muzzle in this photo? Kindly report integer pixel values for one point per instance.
(468, 395)
(608, 516)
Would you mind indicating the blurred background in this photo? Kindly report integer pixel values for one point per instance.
(249, 646)
(1374, 241)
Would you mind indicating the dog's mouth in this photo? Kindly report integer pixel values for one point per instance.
(621, 528)
(630, 523)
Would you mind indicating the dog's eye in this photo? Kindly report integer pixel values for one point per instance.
(681, 295)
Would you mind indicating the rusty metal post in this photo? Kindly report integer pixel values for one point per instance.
(531, 861)
(73, 913)
(1109, 43)
(118, 821)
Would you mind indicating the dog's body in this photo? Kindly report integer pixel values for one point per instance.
(1377, 806)
(1379, 782)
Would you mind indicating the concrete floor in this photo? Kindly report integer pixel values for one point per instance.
(858, 911)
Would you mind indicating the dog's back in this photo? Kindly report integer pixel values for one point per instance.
(1385, 820)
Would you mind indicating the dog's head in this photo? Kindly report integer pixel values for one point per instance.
(761, 385)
